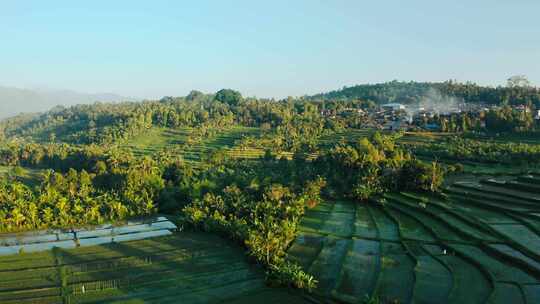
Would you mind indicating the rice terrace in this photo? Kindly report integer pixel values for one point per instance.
(309, 152)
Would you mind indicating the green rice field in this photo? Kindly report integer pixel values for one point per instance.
(479, 242)
(158, 139)
(182, 268)
(26, 175)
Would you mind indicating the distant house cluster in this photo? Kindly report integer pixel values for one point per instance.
(397, 116)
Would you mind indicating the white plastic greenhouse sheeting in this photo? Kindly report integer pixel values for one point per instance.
(93, 233)
(96, 241)
(141, 228)
(141, 235)
(131, 227)
(35, 237)
(36, 247)
(104, 234)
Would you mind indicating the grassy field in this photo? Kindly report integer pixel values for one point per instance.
(228, 140)
(509, 138)
(349, 136)
(26, 175)
(423, 138)
(157, 139)
(412, 140)
(478, 243)
(182, 268)
(192, 149)
(420, 138)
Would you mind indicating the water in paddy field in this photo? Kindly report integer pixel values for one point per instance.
(132, 230)
(478, 242)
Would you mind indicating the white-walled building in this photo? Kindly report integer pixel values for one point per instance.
(393, 106)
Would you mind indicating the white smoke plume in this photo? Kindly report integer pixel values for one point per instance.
(438, 103)
(435, 102)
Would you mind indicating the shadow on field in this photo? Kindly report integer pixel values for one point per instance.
(121, 272)
(196, 271)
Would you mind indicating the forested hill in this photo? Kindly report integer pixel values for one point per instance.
(413, 92)
(116, 122)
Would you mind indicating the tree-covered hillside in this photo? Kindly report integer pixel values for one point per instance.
(413, 92)
(297, 120)
(117, 122)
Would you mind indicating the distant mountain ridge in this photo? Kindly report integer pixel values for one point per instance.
(14, 101)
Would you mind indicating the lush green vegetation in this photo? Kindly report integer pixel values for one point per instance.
(351, 214)
(493, 121)
(463, 149)
(79, 198)
(414, 92)
(194, 267)
(375, 166)
(256, 203)
(117, 123)
(196, 145)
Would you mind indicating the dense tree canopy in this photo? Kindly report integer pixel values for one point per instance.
(413, 92)
(372, 167)
(228, 96)
(304, 118)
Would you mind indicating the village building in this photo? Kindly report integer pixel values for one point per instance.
(352, 111)
(523, 108)
(395, 125)
(393, 107)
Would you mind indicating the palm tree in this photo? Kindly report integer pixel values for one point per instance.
(48, 216)
(17, 217)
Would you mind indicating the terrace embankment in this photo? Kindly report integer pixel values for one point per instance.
(478, 242)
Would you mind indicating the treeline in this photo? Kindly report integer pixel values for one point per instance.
(372, 167)
(62, 157)
(495, 120)
(455, 122)
(82, 186)
(79, 198)
(414, 92)
(463, 149)
(108, 123)
(507, 119)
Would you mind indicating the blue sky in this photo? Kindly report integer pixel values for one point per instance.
(263, 48)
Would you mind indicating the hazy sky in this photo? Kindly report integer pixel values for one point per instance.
(263, 48)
